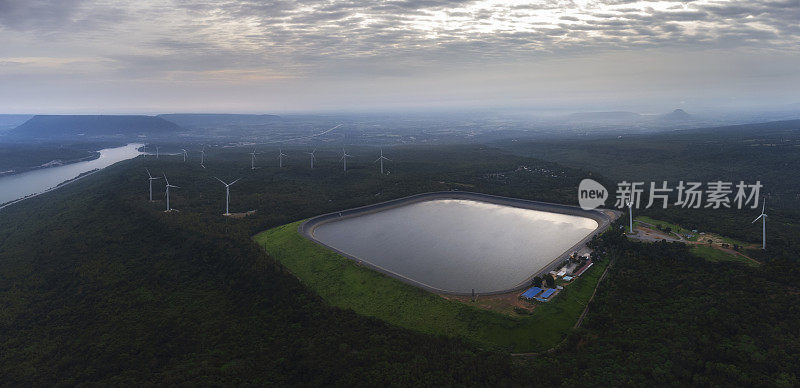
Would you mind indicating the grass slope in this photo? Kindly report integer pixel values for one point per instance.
(343, 283)
(715, 255)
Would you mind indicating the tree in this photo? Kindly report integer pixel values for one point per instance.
(536, 282)
(550, 280)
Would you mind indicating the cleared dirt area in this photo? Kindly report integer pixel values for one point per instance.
(644, 233)
(501, 303)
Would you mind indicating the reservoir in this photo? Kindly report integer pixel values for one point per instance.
(456, 245)
(18, 186)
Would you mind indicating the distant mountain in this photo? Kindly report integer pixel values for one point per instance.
(677, 115)
(216, 120)
(12, 121)
(68, 126)
(788, 128)
(604, 116)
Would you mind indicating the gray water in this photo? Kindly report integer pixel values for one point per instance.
(458, 245)
(18, 186)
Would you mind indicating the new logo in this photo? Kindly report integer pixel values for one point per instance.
(591, 194)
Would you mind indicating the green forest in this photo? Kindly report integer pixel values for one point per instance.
(98, 285)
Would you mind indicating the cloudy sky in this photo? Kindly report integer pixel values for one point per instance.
(103, 56)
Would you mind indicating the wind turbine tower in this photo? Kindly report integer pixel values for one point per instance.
(281, 155)
(184, 155)
(630, 213)
(203, 156)
(345, 155)
(381, 159)
(312, 157)
(763, 217)
(151, 179)
(167, 193)
(253, 159)
(227, 193)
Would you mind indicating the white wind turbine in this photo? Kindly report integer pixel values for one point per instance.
(151, 179)
(227, 193)
(203, 156)
(629, 203)
(253, 159)
(312, 157)
(345, 155)
(167, 193)
(763, 217)
(281, 155)
(184, 155)
(381, 159)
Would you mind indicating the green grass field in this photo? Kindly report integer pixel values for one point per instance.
(715, 255)
(344, 284)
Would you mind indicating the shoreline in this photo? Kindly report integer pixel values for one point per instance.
(603, 217)
(56, 187)
(12, 172)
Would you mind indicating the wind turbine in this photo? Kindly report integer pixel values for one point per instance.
(203, 156)
(763, 217)
(312, 157)
(152, 178)
(629, 203)
(156, 152)
(281, 155)
(381, 159)
(227, 193)
(253, 159)
(345, 155)
(184, 155)
(167, 193)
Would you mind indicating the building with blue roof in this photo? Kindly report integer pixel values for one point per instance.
(531, 293)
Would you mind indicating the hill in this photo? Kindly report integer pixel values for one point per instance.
(99, 286)
(216, 120)
(71, 126)
(12, 121)
(677, 115)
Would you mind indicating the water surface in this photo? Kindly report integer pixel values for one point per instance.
(457, 245)
(18, 186)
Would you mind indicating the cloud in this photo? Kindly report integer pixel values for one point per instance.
(352, 40)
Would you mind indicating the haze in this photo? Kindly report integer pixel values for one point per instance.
(76, 56)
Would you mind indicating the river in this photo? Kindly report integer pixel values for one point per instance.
(14, 187)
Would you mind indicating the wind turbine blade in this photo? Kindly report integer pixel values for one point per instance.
(757, 218)
(376, 161)
(220, 181)
(387, 159)
(764, 206)
(165, 179)
(234, 182)
(148, 172)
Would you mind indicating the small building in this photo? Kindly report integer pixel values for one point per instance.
(545, 296)
(531, 293)
(583, 269)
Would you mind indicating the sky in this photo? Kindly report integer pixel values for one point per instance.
(97, 56)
